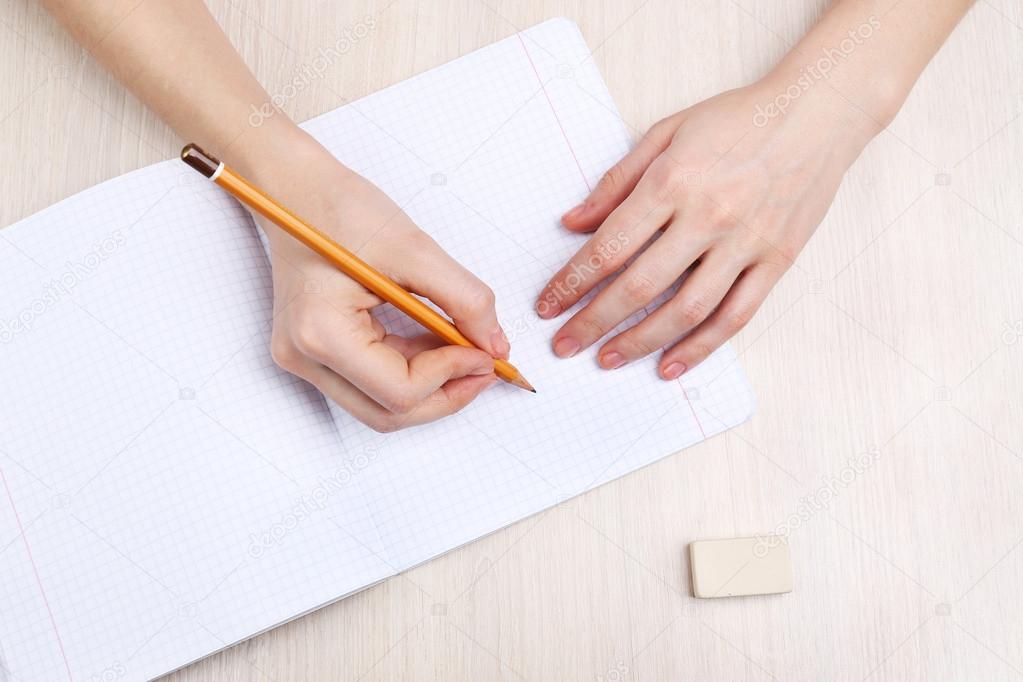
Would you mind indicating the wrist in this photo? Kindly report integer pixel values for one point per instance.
(274, 150)
(814, 105)
(866, 93)
(297, 171)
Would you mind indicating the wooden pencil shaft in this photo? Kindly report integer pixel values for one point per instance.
(346, 261)
(342, 258)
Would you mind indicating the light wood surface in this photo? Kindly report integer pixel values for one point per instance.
(900, 332)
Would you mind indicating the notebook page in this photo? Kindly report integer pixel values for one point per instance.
(139, 539)
(165, 490)
(485, 153)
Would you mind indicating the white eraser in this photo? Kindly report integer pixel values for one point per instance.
(740, 566)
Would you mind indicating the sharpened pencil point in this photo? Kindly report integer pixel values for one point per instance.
(521, 382)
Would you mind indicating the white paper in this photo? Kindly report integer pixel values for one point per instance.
(167, 491)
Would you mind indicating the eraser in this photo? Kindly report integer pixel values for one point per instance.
(741, 566)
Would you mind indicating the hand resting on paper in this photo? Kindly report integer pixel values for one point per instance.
(735, 186)
(736, 197)
(734, 202)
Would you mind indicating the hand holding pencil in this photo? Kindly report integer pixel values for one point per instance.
(323, 329)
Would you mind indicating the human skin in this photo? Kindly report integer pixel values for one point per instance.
(175, 58)
(736, 185)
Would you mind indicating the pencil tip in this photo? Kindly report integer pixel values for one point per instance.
(521, 382)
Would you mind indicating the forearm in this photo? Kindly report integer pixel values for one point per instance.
(871, 52)
(175, 58)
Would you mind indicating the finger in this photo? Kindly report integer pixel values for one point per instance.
(621, 235)
(412, 346)
(429, 271)
(447, 400)
(737, 309)
(619, 181)
(381, 371)
(349, 398)
(652, 273)
(701, 292)
(378, 327)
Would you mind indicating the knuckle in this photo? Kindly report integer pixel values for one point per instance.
(717, 215)
(774, 264)
(788, 253)
(664, 181)
(401, 403)
(284, 353)
(480, 299)
(420, 241)
(307, 339)
(613, 179)
(415, 244)
(639, 289)
(692, 311)
(742, 245)
(418, 254)
(699, 352)
(739, 316)
(776, 254)
(384, 423)
(602, 259)
(658, 131)
(636, 346)
(582, 273)
(590, 328)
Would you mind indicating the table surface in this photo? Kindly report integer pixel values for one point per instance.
(899, 333)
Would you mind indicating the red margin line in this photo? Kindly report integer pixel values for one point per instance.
(587, 182)
(693, 410)
(31, 559)
(555, 112)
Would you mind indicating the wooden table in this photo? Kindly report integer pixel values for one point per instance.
(898, 333)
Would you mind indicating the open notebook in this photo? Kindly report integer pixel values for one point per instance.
(167, 491)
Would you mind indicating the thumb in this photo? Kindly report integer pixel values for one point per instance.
(470, 303)
(618, 182)
(434, 368)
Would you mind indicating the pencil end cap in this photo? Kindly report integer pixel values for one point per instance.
(195, 157)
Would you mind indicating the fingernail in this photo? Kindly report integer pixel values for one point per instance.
(499, 342)
(674, 370)
(548, 308)
(574, 213)
(612, 360)
(566, 347)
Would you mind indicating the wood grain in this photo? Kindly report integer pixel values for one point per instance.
(899, 333)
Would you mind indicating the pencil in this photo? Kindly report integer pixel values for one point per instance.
(343, 259)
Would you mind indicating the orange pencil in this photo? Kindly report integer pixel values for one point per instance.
(343, 259)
